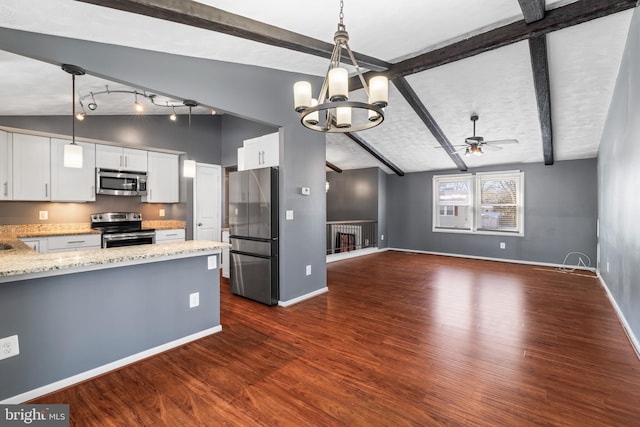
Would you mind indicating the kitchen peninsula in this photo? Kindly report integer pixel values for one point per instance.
(79, 314)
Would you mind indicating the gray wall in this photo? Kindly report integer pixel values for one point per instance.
(559, 217)
(234, 131)
(202, 141)
(618, 179)
(353, 195)
(72, 323)
(382, 209)
(261, 94)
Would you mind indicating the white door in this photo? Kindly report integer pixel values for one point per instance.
(207, 186)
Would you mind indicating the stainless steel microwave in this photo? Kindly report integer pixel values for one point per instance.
(121, 183)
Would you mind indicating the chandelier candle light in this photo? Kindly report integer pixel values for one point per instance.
(332, 110)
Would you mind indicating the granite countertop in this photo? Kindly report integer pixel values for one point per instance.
(21, 260)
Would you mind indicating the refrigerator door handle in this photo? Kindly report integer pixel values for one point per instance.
(233, 251)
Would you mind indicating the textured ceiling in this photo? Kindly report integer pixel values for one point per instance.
(498, 84)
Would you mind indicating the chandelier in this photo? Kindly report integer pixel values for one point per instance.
(332, 111)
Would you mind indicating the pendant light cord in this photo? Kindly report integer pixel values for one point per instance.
(73, 109)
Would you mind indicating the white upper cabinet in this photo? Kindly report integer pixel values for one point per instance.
(31, 167)
(112, 157)
(163, 179)
(6, 184)
(72, 184)
(262, 152)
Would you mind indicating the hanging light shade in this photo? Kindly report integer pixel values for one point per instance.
(334, 112)
(73, 152)
(189, 168)
(188, 165)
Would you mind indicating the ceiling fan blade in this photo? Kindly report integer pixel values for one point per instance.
(454, 145)
(501, 141)
(491, 147)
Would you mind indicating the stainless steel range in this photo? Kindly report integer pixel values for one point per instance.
(122, 229)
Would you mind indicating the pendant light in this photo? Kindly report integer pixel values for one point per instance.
(188, 165)
(73, 151)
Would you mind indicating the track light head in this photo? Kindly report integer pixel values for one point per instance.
(92, 106)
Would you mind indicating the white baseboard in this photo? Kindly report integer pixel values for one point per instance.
(627, 328)
(83, 376)
(301, 298)
(353, 254)
(513, 261)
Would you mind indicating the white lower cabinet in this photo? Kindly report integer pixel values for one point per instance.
(78, 242)
(38, 245)
(171, 235)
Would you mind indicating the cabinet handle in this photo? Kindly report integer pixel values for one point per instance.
(126, 161)
(172, 234)
(199, 224)
(6, 189)
(46, 190)
(70, 242)
(121, 162)
(93, 192)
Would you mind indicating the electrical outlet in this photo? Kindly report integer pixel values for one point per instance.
(289, 215)
(607, 266)
(502, 245)
(161, 213)
(382, 237)
(212, 262)
(194, 299)
(9, 347)
(308, 270)
(44, 215)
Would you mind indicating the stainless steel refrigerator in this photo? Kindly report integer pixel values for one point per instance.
(253, 233)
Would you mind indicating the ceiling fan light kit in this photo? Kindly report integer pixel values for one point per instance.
(332, 111)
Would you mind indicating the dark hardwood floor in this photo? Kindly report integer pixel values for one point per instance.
(400, 339)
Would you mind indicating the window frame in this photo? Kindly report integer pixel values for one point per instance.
(437, 179)
(475, 200)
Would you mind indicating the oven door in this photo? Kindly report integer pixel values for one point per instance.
(115, 240)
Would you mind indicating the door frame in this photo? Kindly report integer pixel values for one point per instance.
(195, 200)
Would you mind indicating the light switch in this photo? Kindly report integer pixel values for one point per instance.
(289, 215)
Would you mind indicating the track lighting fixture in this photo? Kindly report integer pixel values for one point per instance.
(138, 105)
(92, 105)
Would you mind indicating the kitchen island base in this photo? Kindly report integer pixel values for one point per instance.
(76, 325)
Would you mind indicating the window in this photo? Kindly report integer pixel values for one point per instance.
(453, 196)
(490, 203)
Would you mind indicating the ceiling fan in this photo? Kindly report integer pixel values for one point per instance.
(475, 144)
